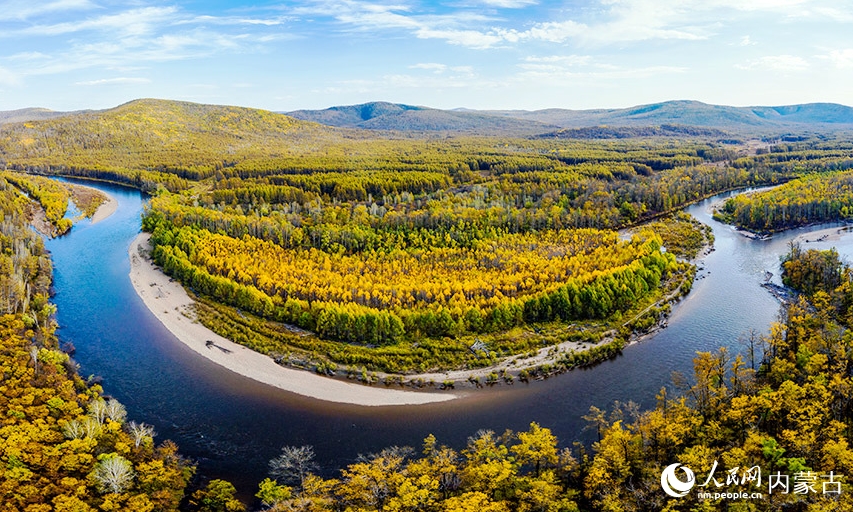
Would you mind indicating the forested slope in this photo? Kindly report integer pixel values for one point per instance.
(413, 254)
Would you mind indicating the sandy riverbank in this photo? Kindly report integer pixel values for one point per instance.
(106, 209)
(832, 234)
(169, 301)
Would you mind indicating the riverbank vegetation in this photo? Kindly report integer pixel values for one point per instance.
(389, 252)
(53, 199)
(64, 446)
(821, 192)
(433, 252)
(780, 413)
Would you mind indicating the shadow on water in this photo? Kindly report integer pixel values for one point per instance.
(232, 425)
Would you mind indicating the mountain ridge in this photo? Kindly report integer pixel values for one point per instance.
(381, 115)
(677, 112)
(672, 118)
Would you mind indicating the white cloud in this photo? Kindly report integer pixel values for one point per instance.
(22, 10)
(470, 38)
(438, 68)
(624, 21)
(116, 54)
(135, 22)
(777, 63)
(832, 13)
(509, 4)
(842, 58)
(231, 20)
(28, 56)
(122, 80)
(445, 70)
(556, 64)
(746, 41)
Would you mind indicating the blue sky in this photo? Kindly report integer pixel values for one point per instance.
(485, 54)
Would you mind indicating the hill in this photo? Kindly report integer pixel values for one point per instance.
(627, 132)
(694, 113)
(390, 116)
(30, 114)
(151, 134)
(408, 118)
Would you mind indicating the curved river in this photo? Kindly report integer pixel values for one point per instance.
(232, 425)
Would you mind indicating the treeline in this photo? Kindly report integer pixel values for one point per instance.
(146, 181)
(813, 198)
(444, 292)
(526, 471)
(293, 217)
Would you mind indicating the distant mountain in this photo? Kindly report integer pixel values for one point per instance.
(30, 114)
(695, 113)
(392, 116)
(627, 132)
(820, 113)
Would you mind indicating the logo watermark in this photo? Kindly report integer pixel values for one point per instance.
(749, 481)
(671, 483)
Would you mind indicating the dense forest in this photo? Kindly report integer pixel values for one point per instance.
(779, 413)
(784, 408)
(821, 192)
(385, 252)
(344, 250)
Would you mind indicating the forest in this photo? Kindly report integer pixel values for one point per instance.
(782, 408)
(327, 247)
(398, 253)
(819, 193)
(64, 445)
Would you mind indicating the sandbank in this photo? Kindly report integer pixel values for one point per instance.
(106, 209)
(171, 304)
(831, 234)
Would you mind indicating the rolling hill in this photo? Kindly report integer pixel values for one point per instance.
(408, 118)
(31, 114)
(698, 114)
(387, 116)
(152, 134)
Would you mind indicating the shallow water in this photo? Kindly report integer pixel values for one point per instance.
(232, 425)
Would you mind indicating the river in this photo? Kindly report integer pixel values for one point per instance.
(231, 426)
